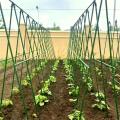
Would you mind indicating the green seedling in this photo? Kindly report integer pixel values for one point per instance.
(89, 84)
(116, 87)
(41, 100)
(38, 69)
(69, 78)
(101, 105)
(47, 83)
(15, 90)
(52, 79)
(28, 77)
(76, 115)
(98, 71)
(100, 101)
(74, 91)
(99, 95)
(45, 91)
(6, 103)
(1, 118)
(25, 83)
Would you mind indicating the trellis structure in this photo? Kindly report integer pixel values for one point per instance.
(29, 51)
(95, 52)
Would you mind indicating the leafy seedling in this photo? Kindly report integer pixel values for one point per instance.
(41, 100)
(52, 79)
(99, 95)
(6, 103)
(100, 101)
(116, 87)
(1, 118)
(45, 91)
(74, 91)
(76, 115)
(89, 84)
(15, 90)
(101, 105)
(25, 83)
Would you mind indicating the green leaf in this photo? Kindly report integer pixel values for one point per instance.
(41, 103)
(7, 102)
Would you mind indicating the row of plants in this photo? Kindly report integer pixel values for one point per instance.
(114, 85)
(44, 92)
(100, 101)
(35, 71)
(24, 83)
(74, 91)
(100, 97)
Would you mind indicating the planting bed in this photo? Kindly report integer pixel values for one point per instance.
(59, 106)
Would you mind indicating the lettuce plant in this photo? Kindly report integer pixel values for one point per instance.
(25, 83)
(1, 118)
(116, 87)
(76, 115)
(74, 91)
(100, 101)
(6, 103)
(45, 91)
(52, 79)
(15, 90)
(41, 100)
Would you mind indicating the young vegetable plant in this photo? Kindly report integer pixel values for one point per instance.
(76, 115)
(25, 83)
(116, 87)
(43, 93)
(1, 118)
(45, 90)
(100, 101)
(41, 100)
(98, 71)
(89, 82)
(55, 66)
(15, 90)
(6, 103)
(74, 91)
(52, 79)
